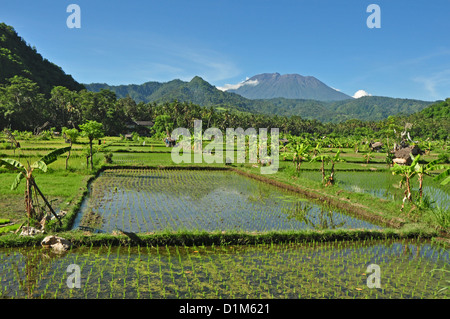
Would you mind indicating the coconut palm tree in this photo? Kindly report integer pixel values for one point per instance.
(31, 188)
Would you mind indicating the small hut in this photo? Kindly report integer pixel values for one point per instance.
(376, 146)
(403, 155)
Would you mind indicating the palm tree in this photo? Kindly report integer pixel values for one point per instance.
(27, 173)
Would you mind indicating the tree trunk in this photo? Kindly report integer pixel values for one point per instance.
(45, 200)
(408, 188)
(331, 180)
(323, 171)
(68, 154)
(90, 144)
(420, 185)
(28, 200)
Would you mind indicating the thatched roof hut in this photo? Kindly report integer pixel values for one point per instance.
(376, 146)
(403, 155)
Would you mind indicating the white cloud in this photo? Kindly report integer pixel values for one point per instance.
(227, 87)
(360, 93)
(434, 82)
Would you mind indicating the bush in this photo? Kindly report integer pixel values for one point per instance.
(442, 217)
(108, 158)
(444, 158)
(5, 146)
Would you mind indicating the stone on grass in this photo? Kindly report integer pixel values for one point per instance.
(30, 231)
(58, 244)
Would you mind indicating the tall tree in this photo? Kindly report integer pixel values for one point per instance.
(92, 130)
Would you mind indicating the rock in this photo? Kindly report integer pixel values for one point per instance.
(58, 244)
(60, 247)
(30, 231)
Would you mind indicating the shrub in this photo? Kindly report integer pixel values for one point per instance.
(444, 158)
(108, 157)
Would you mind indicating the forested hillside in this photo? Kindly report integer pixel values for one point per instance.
(200, 92)
(19, 58)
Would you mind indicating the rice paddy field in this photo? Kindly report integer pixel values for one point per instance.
(281, 271)
(382, 184)
(142, 192)
(142, 200)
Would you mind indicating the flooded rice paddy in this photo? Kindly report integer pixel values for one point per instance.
(144, 200)
(408, 269)
(386, 186)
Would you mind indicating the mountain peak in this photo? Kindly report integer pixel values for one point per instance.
(290, 86)
(197, 79)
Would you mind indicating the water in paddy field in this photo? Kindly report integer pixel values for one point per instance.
(386, 186)
(140, 200)
(407, 269)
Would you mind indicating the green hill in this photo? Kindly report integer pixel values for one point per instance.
(437, 111)
(200, 92)
(19, 58)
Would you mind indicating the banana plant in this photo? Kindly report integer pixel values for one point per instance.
(26, 172)
(335, 159)
(407, 172)
(325, 159)
(423, 170)
(445, 175)
(301, 153)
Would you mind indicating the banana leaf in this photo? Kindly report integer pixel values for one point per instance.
(53, 155)
(40, 165)
(11, 164)
(445, 175)
(17, 180)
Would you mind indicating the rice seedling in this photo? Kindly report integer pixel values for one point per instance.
(304, 269)
(199, 200)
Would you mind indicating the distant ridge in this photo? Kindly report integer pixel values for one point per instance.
(288, 86)
(200, 92)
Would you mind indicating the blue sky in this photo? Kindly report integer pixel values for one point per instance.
(226, 41)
